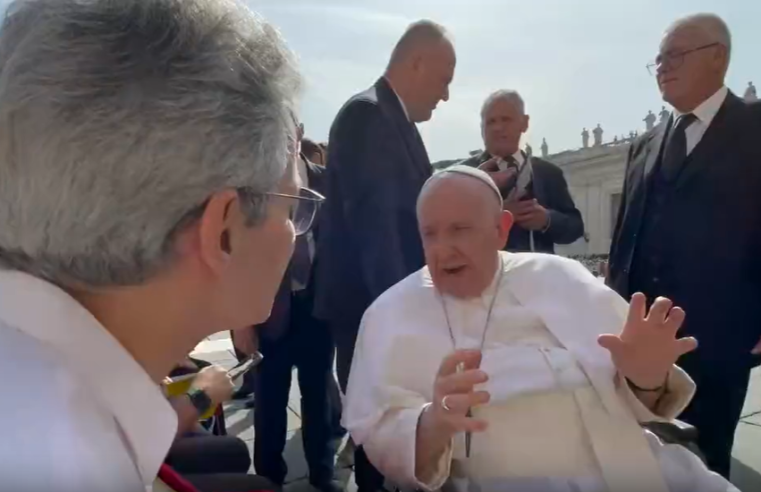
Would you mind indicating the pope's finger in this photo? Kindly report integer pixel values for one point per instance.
(467, 357)
(676, 318)
(462, 382)
(686, 345)
(460, 423)
(637, 308)
(459, 404)
(612, 343)
(659, 310)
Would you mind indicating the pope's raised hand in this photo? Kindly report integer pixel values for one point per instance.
(454, 393)
(648, 346)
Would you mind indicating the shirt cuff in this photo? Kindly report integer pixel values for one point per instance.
(549, 222)
(677, 395)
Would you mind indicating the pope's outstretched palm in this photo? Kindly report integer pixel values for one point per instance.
(648, 346)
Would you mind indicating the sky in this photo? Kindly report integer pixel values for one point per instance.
(576, 63)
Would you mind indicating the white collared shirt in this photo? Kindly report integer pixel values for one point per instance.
(79, 412)
(705, 114)
(518, 156)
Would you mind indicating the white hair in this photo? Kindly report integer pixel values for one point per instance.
(507, 95)
(712, 26)
(459, 170)
(120, 118)
(419, 34)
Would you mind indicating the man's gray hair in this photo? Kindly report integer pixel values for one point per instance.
(506, 95)
(713, 26)
(459, 170)
(119, 119)
(421, 33)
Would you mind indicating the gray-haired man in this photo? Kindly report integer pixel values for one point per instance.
(539, 200)
(148, 198)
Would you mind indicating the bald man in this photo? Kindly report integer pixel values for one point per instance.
(529, 348)
(689, 226)
(378, 163)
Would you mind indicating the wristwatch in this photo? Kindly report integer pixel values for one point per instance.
(200, 400)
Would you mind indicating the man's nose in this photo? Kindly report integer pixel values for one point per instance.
(445, 96)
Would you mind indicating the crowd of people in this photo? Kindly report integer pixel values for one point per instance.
(157, 187)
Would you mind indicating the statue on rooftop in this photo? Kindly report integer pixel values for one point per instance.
(650, 121)
(665, 113)
(597, 132)
(750, 93)
(585, 138)
(529, 150)
(545, 148)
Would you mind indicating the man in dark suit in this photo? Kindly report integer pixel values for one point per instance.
(369, 236)
(543, 209)
(689, 226)
(293, 337)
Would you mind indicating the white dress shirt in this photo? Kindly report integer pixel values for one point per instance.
(704, 114)
(79, 413)
(559, 418)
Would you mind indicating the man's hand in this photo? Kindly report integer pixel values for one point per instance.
(215, 382)
(647, 347)
(454, 394)
(500, 178)
(528, 214)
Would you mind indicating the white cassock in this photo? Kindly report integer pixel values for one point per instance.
(559, 418)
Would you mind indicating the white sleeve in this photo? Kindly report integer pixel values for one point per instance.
(382, 414)
(684, 472)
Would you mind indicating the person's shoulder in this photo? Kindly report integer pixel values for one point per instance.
(543, 165)
(550, 264)
(403, 295)
(52, 413)
(362, 106)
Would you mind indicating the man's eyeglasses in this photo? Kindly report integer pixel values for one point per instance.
(304, 208)
(673, 61)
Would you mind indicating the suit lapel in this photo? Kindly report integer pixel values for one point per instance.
(654, 148)
(717, 138)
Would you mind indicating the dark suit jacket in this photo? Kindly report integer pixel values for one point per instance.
(277, 324)
(369, 237)
(551, 191)
(714, 224)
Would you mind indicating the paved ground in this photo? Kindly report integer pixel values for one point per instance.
(746, 470)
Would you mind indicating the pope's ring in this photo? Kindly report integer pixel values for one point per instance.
(444, 404)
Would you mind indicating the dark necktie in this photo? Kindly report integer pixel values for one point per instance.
(301, 262)
(675, 152)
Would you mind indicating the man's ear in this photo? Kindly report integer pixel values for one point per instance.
(526, 120)
(215, 228)
(505, 224)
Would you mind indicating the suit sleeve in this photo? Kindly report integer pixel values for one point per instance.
(566, 224)
(379, 199)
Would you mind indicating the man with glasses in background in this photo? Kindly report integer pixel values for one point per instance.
(290, 338)
(689, 226)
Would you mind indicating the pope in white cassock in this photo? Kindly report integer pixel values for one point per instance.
(493, 371)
